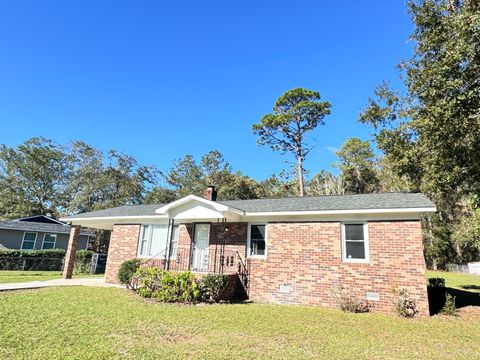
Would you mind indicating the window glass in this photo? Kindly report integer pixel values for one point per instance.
(354, 242)
(354, 231)
(29, 241)
(257, 240)
(143, 241)
(355, 249)
(158, 240)
(49, 241)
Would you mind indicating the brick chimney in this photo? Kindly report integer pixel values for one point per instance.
(210, 193)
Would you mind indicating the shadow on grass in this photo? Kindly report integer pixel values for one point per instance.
(436, 298)
(470, 287)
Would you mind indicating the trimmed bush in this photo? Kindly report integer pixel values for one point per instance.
(32, 260)
(437, 282)
(127, 271)
(83, 262)
(212, 286)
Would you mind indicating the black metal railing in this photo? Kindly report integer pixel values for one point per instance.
(243, 271)
(221, 261)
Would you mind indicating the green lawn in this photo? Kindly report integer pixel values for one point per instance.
(7, 276)
(457, 280)
(104, 323)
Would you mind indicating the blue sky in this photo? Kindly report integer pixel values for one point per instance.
(161, 79)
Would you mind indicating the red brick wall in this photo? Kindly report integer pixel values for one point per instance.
(306, 257)
(123, 246)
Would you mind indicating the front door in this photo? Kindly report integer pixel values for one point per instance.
(201, 240)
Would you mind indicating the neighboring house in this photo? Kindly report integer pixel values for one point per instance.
(288, 250)
(38, 233)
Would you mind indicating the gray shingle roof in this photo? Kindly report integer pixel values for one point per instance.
(40, 227)
(127, 210)
(314, 203)
(334, 202)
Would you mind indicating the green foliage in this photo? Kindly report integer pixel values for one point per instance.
(430, 134)
(212, 286)
(32, 178)
(11, 253)
(436, 282)
(167, 286)
(127, 271)
(189, 177)
(296, 112)
(31, 260)
(467, 235)
(83, 262)
(357, 163)
(405, 306)
(449, 308)
(421, 130)
(325, 183)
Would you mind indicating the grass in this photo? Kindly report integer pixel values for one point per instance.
(111, 323)
(7, 276)
(457, 280)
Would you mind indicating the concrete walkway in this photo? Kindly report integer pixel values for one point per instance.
(57, 282)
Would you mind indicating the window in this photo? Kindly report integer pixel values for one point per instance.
(144, 237)
(257, 240)
(154, 239)
(29, 239)
(173, 250)
(355, 242)
(49, 241)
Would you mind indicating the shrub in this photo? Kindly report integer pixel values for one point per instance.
(212, 286)
(436, 282)
(177, 287)
(148, 280)
(349, 303)
(83, 262)
(405, 306)
(127, 271)
(167, 286)
(31, 260)
(449, 308)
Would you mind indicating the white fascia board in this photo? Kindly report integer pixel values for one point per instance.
(342, 212)
(114, 218)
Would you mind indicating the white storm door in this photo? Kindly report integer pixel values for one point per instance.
(201, 239)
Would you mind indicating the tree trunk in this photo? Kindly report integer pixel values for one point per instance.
(300, 176)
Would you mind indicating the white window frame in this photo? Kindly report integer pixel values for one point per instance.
(148, 244)
(365, 242)
(34, 241)
(249, 241)
(54, 241)
(140, 240)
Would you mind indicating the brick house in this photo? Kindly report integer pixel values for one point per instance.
(287, 250)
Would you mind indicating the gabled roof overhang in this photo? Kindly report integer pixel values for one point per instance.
(195, 208)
